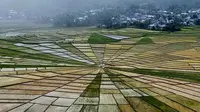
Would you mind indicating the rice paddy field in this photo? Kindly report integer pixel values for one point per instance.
(99, 70)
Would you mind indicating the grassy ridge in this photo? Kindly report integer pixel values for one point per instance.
(145, 40)
(100, 39)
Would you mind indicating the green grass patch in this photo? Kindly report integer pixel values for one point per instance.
(145, 40)
(93, 90)
(186, 76)
(100, 39)
(153, 101)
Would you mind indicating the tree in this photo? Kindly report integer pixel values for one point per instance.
(194, 16)
(197, 22)
(65, 20)
(107, 18)
(142, 25)
(132, 9)
(150, 8)
(172, 27)
(177, 9)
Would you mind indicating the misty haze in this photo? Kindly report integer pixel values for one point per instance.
(100, 56)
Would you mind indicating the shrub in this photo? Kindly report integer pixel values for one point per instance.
(145, 40)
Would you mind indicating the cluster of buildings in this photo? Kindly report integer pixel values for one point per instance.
(158, 20)
(87, 14)
(163, 18)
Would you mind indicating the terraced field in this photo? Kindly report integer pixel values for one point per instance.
(133, 70)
